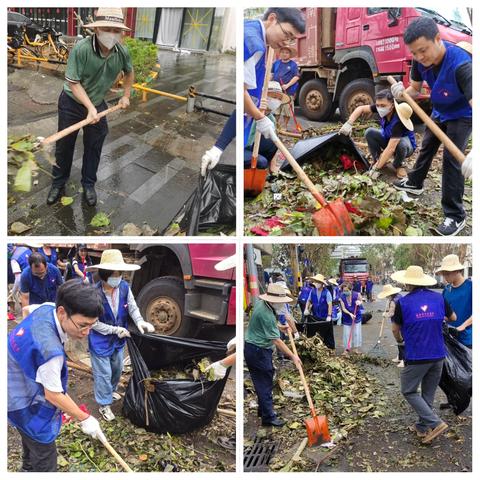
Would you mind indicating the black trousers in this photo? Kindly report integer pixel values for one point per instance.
(38, 457)
(459, 132)
(70, 112)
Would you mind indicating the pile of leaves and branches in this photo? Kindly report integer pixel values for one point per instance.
(193, 371)
(340, 387)
(143, 451)
(285, 207)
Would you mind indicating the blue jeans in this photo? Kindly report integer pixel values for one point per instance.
(106, 375)
(70, 112)
(260, 366)
(376, 143)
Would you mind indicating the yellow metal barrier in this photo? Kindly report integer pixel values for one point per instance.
(142, 88)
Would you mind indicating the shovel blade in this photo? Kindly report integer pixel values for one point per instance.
(317, 430)
(333, 220)
(254, 181)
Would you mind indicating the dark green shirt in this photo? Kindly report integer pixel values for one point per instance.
(262, 328)
(94, 72)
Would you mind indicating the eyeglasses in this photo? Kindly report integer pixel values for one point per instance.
(81, 329)
(289, 35)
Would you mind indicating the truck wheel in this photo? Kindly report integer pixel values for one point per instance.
(356, 93)
(161, 303)
(315, 100)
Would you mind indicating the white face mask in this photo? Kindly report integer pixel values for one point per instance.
(273, 104)
(278, 307)
(108, 39)
(383, 111)
(114, 282)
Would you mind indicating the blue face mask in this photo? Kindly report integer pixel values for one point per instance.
(114, 282)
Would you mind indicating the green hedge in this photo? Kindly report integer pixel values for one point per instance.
(144, 57)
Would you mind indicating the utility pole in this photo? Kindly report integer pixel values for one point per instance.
(297, 283)
(252, 273)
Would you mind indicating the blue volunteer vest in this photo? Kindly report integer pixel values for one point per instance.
(283, 72)
(423, 312)
(21, 255)
(357, 286)
(83, 266)
(31, 344)
(253, 42)
(105, 345)
(319, 304)
(369, 286)
(387, 127)
(42, 291)
(449, 103)
(347, 319)
(304, 294)
(52, 258)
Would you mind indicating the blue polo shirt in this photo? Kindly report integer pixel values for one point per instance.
(283, 72)
(460, 299)
(41, 290)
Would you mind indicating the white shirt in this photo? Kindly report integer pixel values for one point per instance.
(50, 373)
(249, 74)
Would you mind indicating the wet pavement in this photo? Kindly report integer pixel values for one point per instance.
(151, 157)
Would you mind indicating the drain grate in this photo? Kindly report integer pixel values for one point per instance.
(257, 457)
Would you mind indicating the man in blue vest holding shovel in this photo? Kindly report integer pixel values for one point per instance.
(38, 375)
(417, 321)
(447, 69)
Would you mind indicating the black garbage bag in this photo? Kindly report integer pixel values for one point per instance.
(174, 406)
(324, 148)
(456, 381)
(214, 201)
(366, 316)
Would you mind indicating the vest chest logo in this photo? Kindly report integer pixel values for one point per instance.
(424, 308)
(20, 332)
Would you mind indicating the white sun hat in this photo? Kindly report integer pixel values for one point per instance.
(413, 275)
(113, 260)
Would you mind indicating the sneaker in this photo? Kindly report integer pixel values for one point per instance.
(414, 428)
(107, 413)
(432, 434)
(450, 227)
(404, 186)
(401, 364)
(116, 396)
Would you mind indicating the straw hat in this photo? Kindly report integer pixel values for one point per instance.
(450, 263)
(275, 294)
(290, 48)
(388, 290)
(318, 278)
(113, 260)
(404, 112)
(275, 91)
(333, 281)
(108, 17)
(413, 275)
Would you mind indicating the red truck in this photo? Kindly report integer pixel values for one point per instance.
(347, 53)
(178, 288)
(354, 267)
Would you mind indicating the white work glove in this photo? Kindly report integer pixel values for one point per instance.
(266, 127)
(385, 315)
(397, 90)
(91, 427)
(219, 370)
(307, 311)
(142, 325)
(232, 344)
(121, 332)
(329, 318)
(210, 159)
(467, 166)
(296, 336)
(346, 129)
(358, 302)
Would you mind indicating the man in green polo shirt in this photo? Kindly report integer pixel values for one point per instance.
(93, 66)
(262, 335)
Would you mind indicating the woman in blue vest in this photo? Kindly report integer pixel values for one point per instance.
(278, 27)
(38, 374)
(392, 294)
(81, 261)
(417, 322)
(447, 69)
(334, 289)
(350, 304)
(319, 306)
(303, 297)
(107, 338)
(395, 138)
